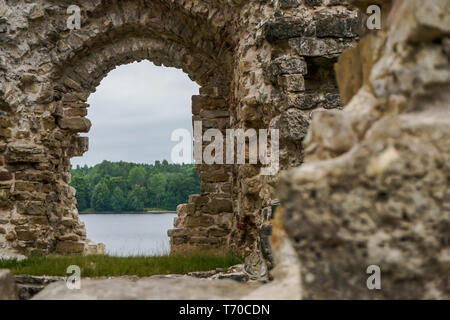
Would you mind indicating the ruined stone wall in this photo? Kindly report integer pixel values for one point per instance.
(284, 74)
(260, 64)
(374, 189)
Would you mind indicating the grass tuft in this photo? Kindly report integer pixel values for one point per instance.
(105, 266)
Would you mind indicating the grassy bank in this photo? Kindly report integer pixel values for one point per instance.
(99, 266)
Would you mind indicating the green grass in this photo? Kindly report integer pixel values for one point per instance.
(103, 265)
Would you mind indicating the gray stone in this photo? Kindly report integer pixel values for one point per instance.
(8, 289)
(329, 24)
(382, 203)
(78, 124)
(288, 27)
(292, 124)
(156, 288)
(312, 47)
(287, 4)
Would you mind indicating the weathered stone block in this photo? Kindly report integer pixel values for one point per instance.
(313, 47)
(344, 25)
(69, 237)
(199, 200)
(207, 103)
(5, 133)
(252, 185)
(74, 112)
(5, 122)
(287, 4)
(24, 233)
(177, 240)
(354, 213)
(32, 208)
(305, 101)
(292, 124)
(314, 3)
(213, 176)
(35, 175)
(332, 101)
(288, 27)
(213, 114)
(27, 186)
(214, 91)
(178, 232)
(24, 152)
(72, 83)
(292, 82)
(40, 220)
(218, 232)
(218, 206)
(11, 236)
(198, 221)
(224, 220)
(288, 65)
(204, 241)
(78, 124)
(5, 176)
(69, 247)
(186, 209)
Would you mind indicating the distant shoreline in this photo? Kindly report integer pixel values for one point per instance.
(128, 212)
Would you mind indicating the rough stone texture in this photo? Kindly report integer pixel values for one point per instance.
(375, 186)
(232, 283)
(374, 189)
(154, 288)
(260, 64)
(284, 72)
(8, 289)
(28, 286)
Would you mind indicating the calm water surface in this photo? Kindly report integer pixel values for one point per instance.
(130, 234)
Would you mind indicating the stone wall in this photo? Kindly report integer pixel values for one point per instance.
(284, 74)
(374, 189)
(260, 64)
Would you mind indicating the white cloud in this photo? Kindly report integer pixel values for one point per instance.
(134, 111)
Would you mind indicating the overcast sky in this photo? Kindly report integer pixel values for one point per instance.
(134, 111)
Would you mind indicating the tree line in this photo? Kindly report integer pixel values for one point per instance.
(124, 186)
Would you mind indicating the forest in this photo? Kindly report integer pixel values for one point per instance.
(124, 186)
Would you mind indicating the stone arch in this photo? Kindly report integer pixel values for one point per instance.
(41, 205)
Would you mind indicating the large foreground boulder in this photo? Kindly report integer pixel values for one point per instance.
(369, 211)
(385, 203)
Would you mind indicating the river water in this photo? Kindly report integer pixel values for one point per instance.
(130, 234)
